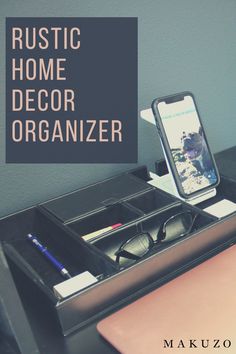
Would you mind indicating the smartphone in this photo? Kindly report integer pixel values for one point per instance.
(185, 145)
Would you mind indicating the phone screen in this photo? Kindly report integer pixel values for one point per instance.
(191, 156)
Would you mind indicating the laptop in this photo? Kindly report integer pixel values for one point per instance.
(194, 313)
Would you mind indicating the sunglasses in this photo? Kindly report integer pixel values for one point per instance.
(138, 246)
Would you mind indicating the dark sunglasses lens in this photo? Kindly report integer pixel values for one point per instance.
(178, 226)
(138, 245)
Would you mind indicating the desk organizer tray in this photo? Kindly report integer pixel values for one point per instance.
(127, 200)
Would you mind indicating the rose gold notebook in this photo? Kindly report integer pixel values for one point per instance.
(199, 305)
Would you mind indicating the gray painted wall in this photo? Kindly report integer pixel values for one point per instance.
(183, 45)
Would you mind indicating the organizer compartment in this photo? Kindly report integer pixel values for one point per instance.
(151, 224)
(75, 257)
(152, 201)
(94, 197)
(113, 214)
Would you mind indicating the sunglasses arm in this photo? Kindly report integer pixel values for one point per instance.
(126, 254)
(161, 234)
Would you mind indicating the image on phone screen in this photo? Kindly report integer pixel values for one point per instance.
(186, 139)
